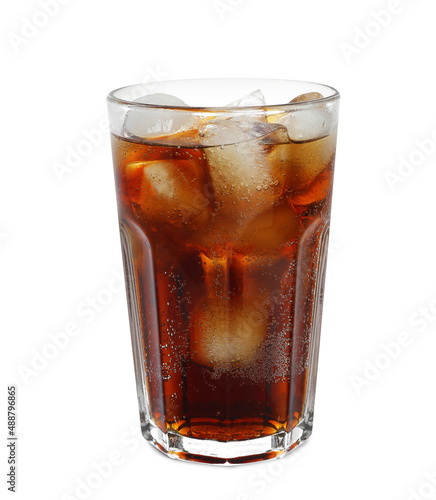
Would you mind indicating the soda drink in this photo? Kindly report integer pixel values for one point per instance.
(224, 229)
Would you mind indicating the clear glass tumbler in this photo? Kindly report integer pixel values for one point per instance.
(224, 196)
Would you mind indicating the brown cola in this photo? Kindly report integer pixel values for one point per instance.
(224, 243)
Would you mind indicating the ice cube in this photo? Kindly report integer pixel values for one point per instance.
(172, 193)
(317, 191)
(303, 162)
(309, 96)
(235, 130)
(160, 99)
(134, 170)
(225, 334)
(245, 180)
(271, 229)
(255, 98)
(310, 121)
(164, 119)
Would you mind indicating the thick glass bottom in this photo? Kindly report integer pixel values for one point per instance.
(181, 447)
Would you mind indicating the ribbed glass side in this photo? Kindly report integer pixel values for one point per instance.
(306, 310)
(316, 325)
(133, 303)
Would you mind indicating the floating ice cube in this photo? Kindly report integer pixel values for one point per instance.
(311, 121)
(234, 130)
(255, 98)
(245, 179)
(304, 161)
(225, 334)
(134, 170)
(309, 96)
(316, 192)
(160, 99)
(172, 193)
(164, 119)
(271, 228)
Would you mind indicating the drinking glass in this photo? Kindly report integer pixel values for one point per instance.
(224, 192)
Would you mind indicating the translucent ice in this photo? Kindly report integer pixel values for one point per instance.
(160, 99)
(318, 190)
(311, 121)
(164, 119)
(304, 161)
(272, 228)
(247, 180)
(225, 334)
(255, 98)
(309, 96)
(171, 193)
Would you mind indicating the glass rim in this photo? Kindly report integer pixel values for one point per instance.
(112, 97)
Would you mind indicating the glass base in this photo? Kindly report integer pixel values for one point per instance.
(181, 447)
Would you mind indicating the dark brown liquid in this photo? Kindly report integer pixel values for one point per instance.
(225, 277)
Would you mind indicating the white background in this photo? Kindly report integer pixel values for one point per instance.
(374, 434)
